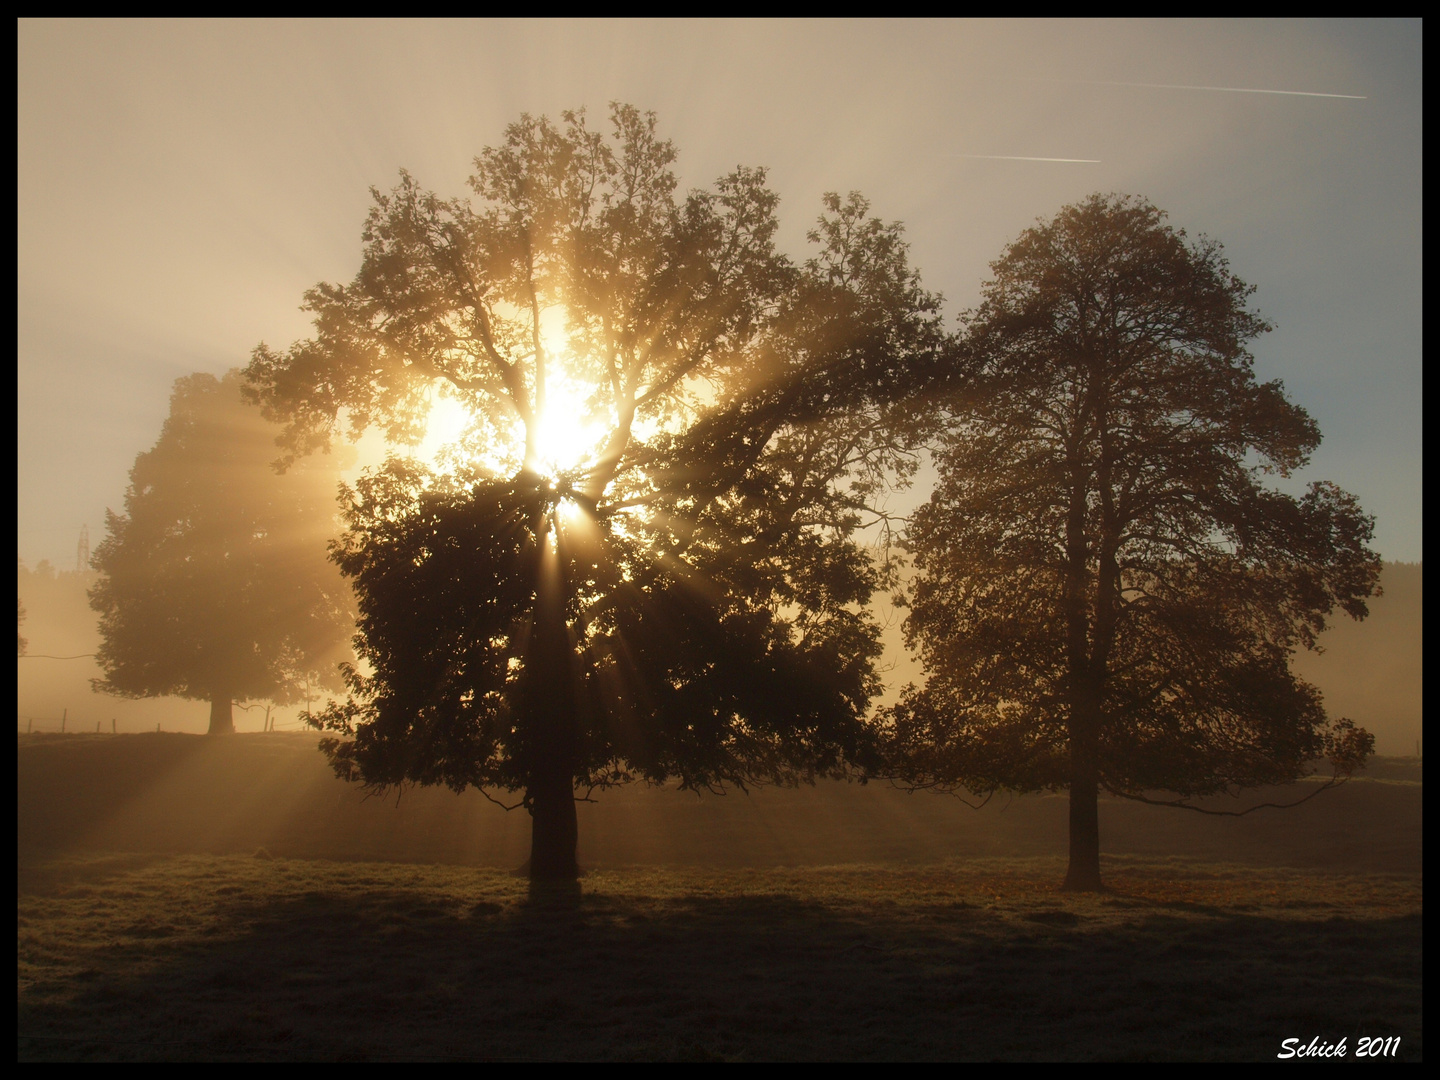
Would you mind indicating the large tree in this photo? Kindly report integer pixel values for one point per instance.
(639, 562)
(215, 582)
(1108, 591)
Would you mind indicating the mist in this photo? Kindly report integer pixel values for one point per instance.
(719, 540)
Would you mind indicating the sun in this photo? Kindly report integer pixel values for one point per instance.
(569, 430)
(568, 435)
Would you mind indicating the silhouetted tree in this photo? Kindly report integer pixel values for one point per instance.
(20, 606)
(215, 583)
(1108, 594)
(641, 564)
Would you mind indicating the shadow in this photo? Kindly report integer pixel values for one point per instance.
(499, 971)
(548, 896)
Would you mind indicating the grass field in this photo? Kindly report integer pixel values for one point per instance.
(178, 945)
(235, 958)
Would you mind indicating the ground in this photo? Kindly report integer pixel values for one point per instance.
(176, 953)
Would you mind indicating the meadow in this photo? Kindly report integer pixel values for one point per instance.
(190, 899)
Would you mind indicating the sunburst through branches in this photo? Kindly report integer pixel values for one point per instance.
(649, 439)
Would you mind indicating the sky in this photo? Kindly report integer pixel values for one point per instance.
(180, 184)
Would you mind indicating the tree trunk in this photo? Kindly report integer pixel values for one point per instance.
(552, 703)
(222, 719)
(553, 829)
(1084, 872)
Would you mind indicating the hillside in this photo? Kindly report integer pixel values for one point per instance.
(192, 793)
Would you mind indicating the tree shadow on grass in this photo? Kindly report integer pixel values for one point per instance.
(385, 973)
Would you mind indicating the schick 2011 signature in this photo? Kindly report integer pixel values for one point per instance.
(1366, 1046)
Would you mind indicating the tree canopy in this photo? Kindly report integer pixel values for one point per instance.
(215, 582)
(639, 559)
(1108, 590)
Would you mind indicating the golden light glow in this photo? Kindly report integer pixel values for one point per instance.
(445, 423)
(568, 436)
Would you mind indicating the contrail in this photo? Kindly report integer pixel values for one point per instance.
(1225, 89)
(1009, 157)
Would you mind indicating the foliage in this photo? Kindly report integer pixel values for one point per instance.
(674, 674)
(214, 582)
(684, 595)
(1108, 591)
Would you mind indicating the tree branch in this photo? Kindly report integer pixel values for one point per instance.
(1334, 782)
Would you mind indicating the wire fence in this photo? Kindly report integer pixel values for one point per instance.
(65, 724)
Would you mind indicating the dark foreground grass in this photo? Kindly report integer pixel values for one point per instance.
(193, 957)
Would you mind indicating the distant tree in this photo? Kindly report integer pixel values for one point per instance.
(20, 604)
(1108, 594)
(643, 563)
(215, 583)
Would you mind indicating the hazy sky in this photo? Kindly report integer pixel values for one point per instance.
(181, 184)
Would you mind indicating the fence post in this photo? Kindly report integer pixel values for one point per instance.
(30, 726)
(64, 714)
(112, 725)
(97, 727)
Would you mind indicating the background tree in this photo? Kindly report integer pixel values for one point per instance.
(1108, 594)
(641, 562)
(216, 583)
